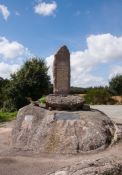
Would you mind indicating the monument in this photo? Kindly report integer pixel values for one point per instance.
(60, 99)
(61, 72)
(64, 125)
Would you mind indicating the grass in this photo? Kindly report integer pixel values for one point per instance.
(42, 100)
(7, 116)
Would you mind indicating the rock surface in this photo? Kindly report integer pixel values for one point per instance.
(100, 166)
(69, 102)
(41, 130)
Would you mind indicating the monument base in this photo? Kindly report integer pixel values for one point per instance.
(69, 102)
(41, 130)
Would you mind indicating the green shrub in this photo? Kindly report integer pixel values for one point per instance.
(98, 96)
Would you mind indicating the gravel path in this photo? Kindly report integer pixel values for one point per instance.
(113, 111)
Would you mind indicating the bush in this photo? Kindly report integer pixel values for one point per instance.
(115, 85)
(98, 96)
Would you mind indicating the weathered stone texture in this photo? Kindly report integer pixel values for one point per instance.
(62, 131)
(103, 166)
(69, 102)
(61, 71)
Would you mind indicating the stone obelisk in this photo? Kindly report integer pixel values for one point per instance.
(61, 72)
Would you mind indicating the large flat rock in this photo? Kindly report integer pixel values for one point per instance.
(41, 130)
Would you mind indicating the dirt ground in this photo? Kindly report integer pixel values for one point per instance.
(16, 162)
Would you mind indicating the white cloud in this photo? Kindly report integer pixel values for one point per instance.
(7, 69)
(100, 49)
(12, 55)
(4, 11)
(11, 49)
(104, 47)
(45, 9)
(115, 70)
(81, 67)
(49, 61)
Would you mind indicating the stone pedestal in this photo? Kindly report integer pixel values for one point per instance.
(42, 130)
(69, 102)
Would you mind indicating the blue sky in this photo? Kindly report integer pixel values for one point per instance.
(92, 30)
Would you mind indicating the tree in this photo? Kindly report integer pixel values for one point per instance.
(3, 85)
(115, 85)
(30, 81)
(1, 94)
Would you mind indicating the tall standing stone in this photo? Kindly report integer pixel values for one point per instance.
(61, 72)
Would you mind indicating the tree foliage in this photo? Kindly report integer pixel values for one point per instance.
(30, 81)
(115, 85)
(3, 86)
